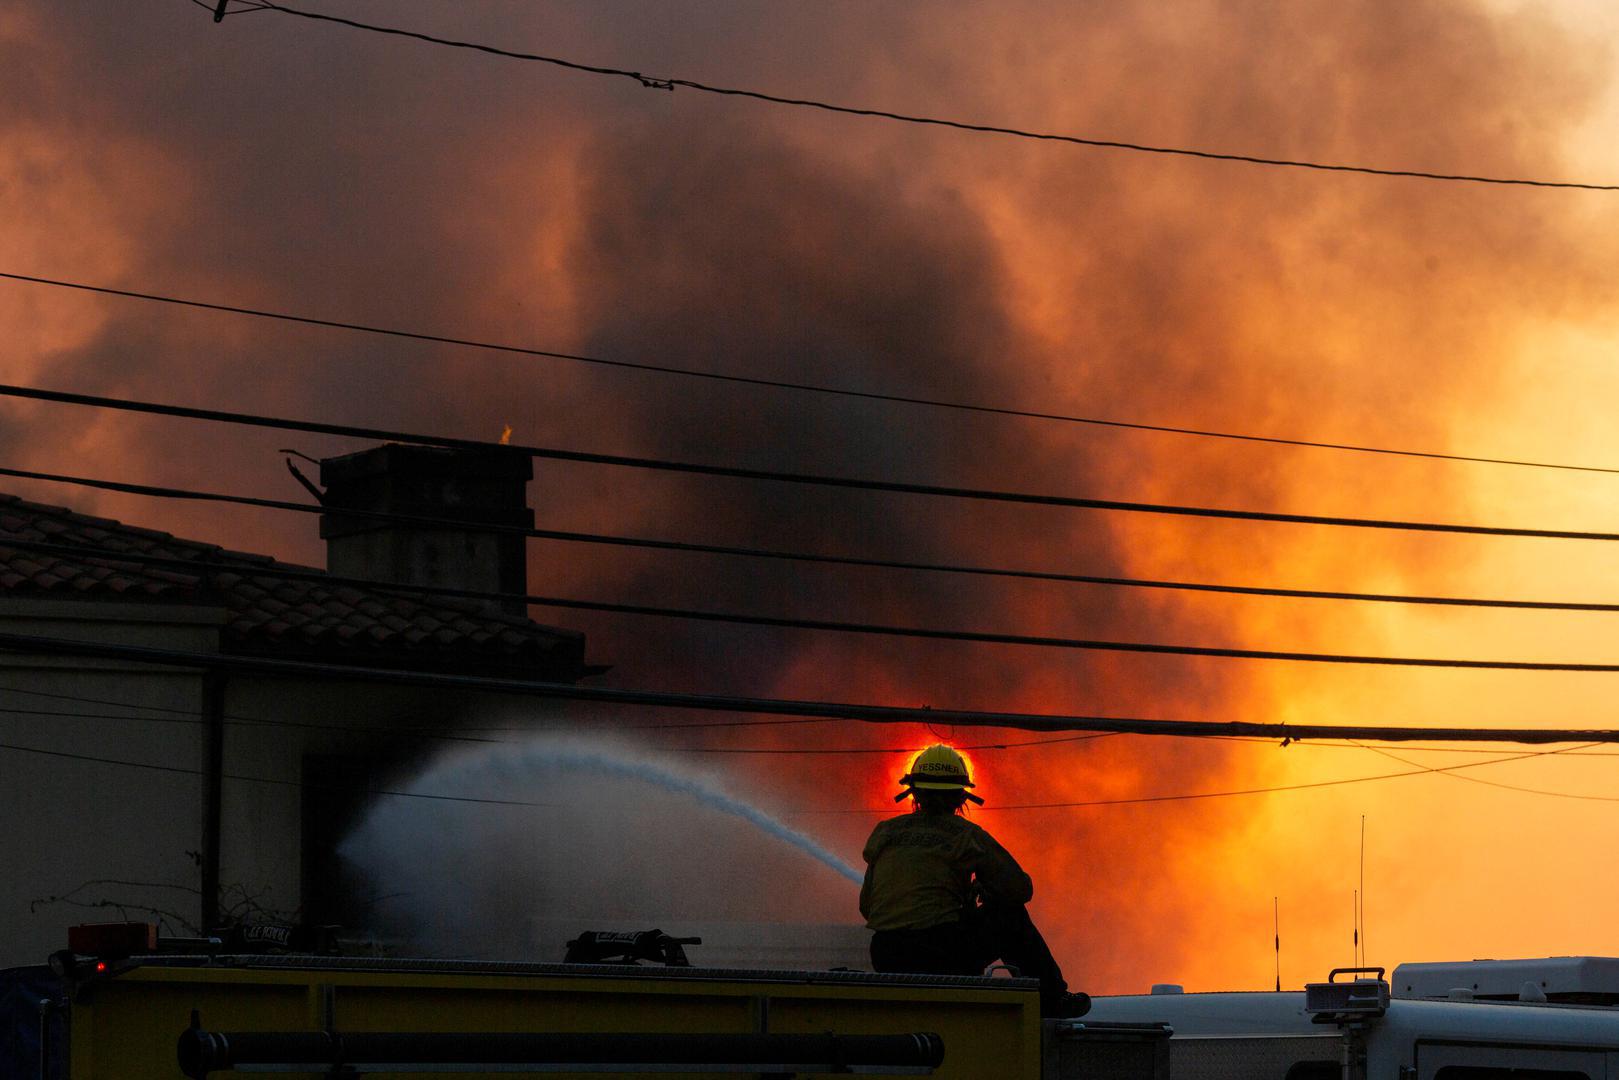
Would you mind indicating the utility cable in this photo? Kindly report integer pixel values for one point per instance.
(290, 573)
(1196, 796)
(261, 779)
(1419, 771)
(970, 636)
(778, 384)
(670, 83)
(813, 810)
(192, 716)
(800, 810)
(1200, 795)
(1055, 642)
(671, 699)
(1358, 744)
(232, 717)
(740, 473)
(1573, 751)
(1499, 784)
(195, 719)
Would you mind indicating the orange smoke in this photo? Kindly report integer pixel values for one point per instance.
(781, 245)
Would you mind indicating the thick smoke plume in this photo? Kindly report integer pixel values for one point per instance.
(270, 163)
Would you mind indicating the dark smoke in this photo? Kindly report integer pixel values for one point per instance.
(276, 164)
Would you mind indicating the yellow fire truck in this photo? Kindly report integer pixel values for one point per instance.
(115, 1014)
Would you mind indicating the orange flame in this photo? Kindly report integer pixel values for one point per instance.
(506, 435)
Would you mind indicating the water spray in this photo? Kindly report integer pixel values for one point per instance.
(472, 773)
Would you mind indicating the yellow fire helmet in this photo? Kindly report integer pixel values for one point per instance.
(938, 768)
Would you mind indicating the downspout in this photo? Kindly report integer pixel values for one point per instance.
(213, 793)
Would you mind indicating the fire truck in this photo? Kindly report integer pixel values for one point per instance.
(141, 1009)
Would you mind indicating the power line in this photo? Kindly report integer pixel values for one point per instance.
(1197, 796)
(216, 9)
(253, 720)
(918, 632)
(1498, 784)
(260, 779)
(192, 716)
(624, 727)
(1358, 744)
(195, 719)
(672, 728)
(811, 751)
(1573, 751)
(730, 472)
(688, 547)
(778, 384)
(981, 747)
(120, 762)
(1054, 642)
(661, 83)
(672, 699)
(1418, 771)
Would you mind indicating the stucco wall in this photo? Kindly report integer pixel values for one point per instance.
(99, 834)
(92, 833)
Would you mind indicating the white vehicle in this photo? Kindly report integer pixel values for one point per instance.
(1550, 1019)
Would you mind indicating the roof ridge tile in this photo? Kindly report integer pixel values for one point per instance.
(273, 615)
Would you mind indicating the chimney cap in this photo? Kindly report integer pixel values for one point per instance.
(492, 462)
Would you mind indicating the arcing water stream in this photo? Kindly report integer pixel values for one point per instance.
(473, 774)
(618, 835)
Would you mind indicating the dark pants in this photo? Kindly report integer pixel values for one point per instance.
(991, 932)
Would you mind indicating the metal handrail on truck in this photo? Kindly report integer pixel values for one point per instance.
(357, 1053)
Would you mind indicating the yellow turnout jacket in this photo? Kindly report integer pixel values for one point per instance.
(921, 868)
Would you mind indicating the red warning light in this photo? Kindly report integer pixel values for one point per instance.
(101, 965)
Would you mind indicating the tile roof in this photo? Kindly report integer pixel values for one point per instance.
(271, 615)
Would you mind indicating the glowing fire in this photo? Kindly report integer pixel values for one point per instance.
(506, 435)
(1379, 311)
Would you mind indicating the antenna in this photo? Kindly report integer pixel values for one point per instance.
(1360, 933)
(1276, 925)
(1354, 920)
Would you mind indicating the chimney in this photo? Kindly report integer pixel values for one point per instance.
(466, 486)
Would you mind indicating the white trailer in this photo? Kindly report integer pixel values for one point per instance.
(1550, 1019)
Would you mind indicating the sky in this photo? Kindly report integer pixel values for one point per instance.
(276, 162)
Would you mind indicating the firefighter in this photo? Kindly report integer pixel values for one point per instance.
(943, 898)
